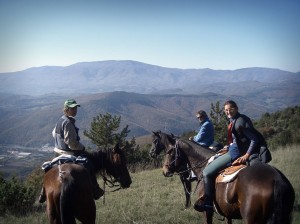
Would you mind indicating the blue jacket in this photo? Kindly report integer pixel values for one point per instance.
(205, 136)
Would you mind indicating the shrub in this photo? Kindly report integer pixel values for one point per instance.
(15, 197)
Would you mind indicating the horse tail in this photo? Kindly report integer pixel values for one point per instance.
(283, 200)
(66, 200)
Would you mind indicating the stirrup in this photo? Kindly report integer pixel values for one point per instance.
(203, 206)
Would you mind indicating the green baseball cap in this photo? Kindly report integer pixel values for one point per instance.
(71, 103)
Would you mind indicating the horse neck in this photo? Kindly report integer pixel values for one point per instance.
(99, 160)
(197, 156)
(165, 141)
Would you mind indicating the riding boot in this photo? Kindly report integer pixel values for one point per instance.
(206, 204)
(42, 197)
(97, 191)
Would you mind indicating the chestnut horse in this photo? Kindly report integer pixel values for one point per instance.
(259, 194)
(68, 186)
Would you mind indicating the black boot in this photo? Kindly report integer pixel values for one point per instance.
(42, 197)
(206, 204)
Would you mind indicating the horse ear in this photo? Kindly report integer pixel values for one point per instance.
(156, 133)
(171, 139)
(116, 147)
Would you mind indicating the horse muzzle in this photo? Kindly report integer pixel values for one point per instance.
(168, 174)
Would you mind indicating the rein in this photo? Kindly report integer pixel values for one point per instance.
(176, 147)
(110, 183)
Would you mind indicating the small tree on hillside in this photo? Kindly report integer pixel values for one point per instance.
(104, 132)
(220, 123)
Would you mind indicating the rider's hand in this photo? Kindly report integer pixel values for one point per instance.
(224, 150)
(241, 159)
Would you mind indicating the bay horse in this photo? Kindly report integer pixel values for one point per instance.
(69, 191)
(259, 194)
(155, 150)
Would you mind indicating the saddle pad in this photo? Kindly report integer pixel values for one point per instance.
(64, 158)
(229, 174)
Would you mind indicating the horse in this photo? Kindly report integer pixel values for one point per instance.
(183, 172)
(259, 194)
(69, 191)
(184, 176)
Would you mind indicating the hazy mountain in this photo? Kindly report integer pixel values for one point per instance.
(151, 97)
(28, 121)
(131, 76)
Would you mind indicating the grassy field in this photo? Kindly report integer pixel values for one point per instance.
(153, 198)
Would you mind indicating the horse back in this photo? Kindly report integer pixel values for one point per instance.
(254, 195)
(251, 191)
(69, 194)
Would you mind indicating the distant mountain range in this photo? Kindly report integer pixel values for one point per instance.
(132, 76)
(147, 97)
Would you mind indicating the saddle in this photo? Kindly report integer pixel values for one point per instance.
(64, 158)
(229, 174)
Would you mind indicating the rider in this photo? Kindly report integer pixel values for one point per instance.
(67, 140)
(243, 140)
(205, 136)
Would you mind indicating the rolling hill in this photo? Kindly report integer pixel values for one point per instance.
(148, 97)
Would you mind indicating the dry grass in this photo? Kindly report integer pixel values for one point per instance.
(154, 199)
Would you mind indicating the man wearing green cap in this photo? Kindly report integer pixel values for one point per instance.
(65, 133)
(67, 141)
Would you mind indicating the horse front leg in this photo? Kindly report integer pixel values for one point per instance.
(228, 221)
(187, 187)
(209, 217)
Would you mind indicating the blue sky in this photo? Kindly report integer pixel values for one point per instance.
(214, 34)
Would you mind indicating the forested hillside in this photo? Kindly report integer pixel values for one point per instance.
(281, 128)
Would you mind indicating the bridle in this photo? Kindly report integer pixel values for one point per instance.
(178, 155)
(158, 147)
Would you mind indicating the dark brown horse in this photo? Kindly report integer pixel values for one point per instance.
(184, 174)
(259, 194)
(68, 186)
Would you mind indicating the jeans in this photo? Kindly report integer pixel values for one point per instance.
(212, 169)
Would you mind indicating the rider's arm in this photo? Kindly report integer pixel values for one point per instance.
(70, 137)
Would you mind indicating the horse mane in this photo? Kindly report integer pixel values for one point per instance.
(195, 150)
(101, 158)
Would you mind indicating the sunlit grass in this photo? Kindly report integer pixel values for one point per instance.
(154, 199)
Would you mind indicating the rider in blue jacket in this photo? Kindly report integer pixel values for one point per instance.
(205, 136)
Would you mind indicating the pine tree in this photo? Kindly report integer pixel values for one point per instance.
(220, 123)
(104, 131)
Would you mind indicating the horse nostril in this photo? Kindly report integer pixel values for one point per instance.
(168, 174)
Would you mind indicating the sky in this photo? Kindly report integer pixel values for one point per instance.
(215, 34)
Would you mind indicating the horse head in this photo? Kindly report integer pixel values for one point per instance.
(116, 166)
(175, 160)
(160, 142)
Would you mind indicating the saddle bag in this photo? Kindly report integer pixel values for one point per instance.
(264, 156)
